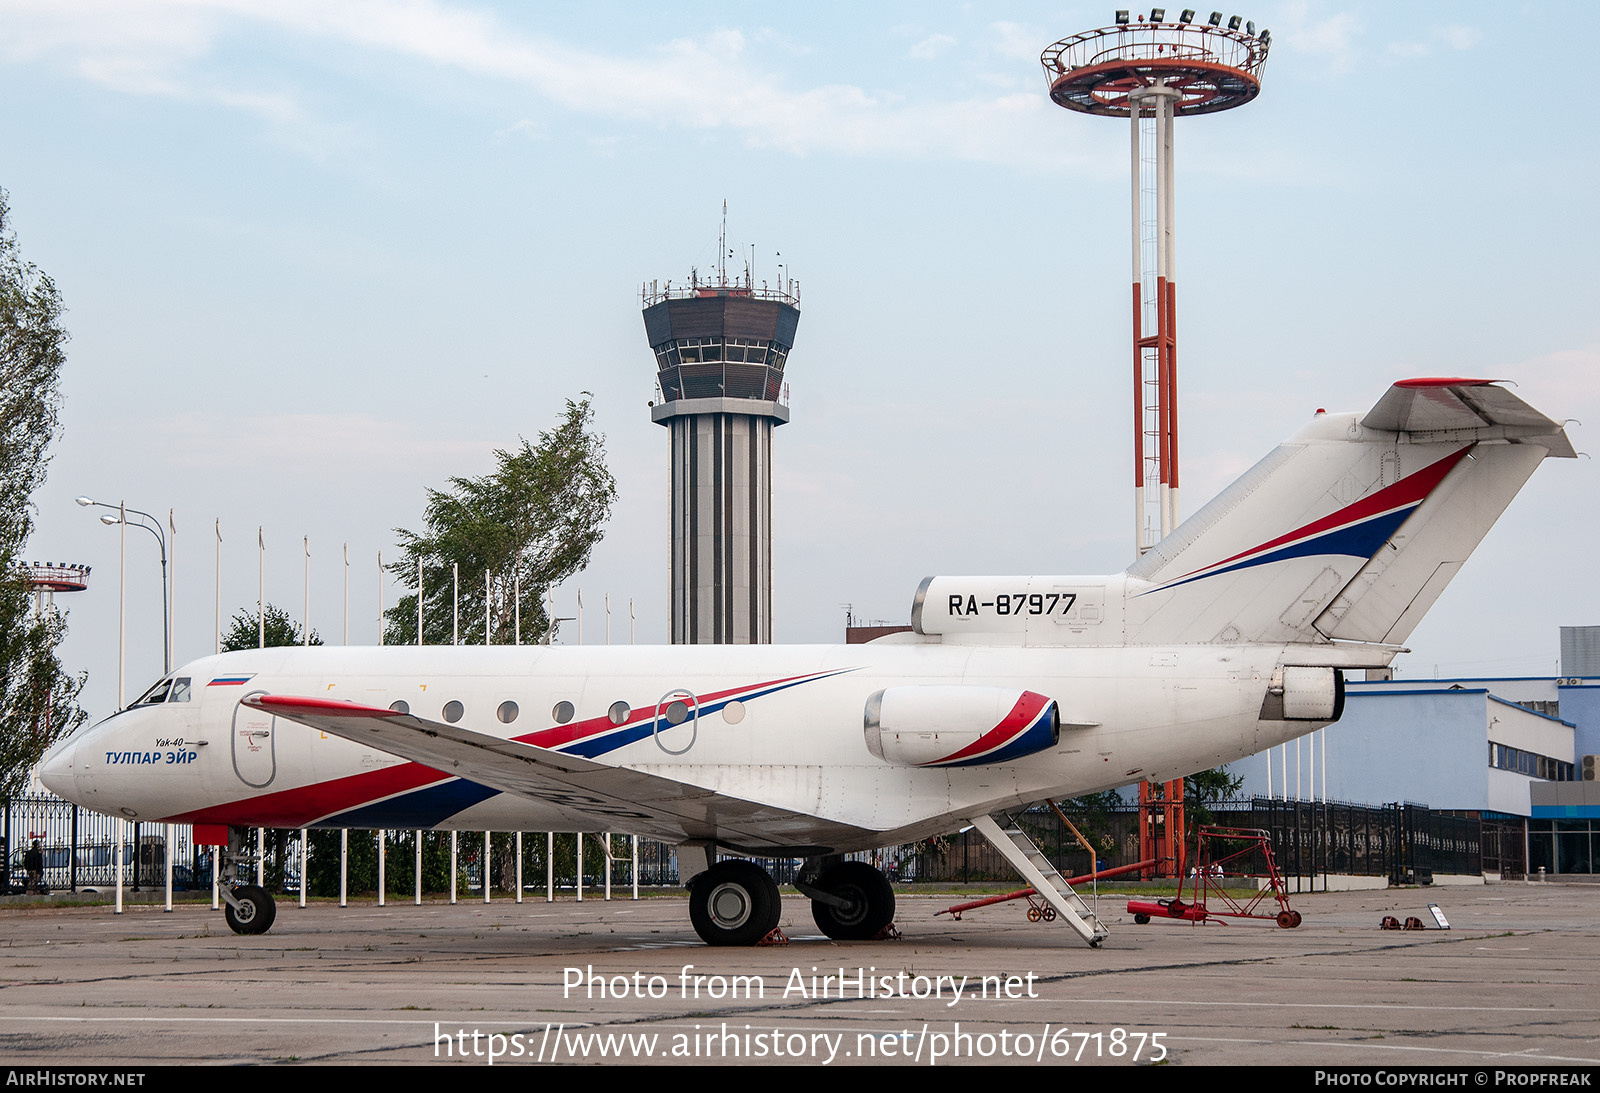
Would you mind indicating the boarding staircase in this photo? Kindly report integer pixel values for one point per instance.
(1006, 836)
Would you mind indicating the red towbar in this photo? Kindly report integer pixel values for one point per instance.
(1036, 912)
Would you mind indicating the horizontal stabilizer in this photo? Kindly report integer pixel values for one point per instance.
(1351, 529)
(1442, 408)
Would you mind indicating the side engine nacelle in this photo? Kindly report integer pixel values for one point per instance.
(1305, 693)
(958, 726)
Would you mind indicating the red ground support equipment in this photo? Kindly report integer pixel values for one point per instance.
(1038, 909)
(1222, 853)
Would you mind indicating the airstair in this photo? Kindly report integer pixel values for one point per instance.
(1018, 849)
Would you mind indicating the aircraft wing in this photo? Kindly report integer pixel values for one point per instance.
(647, 803)
(1438, 408)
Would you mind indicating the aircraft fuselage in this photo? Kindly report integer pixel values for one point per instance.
(773, 725)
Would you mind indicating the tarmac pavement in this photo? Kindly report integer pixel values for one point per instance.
(1513, 983)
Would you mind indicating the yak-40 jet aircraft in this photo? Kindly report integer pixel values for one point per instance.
(1228, 637)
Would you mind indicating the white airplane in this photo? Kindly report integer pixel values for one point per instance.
(1228, 637)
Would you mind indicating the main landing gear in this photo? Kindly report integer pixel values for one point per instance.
(248, 908)
(736, 902)
(850, 900)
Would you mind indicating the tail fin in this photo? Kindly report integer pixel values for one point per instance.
(1351, 529)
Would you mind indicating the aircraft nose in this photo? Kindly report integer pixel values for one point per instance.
(55, 769)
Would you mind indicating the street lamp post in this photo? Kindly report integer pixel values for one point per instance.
(154, 528)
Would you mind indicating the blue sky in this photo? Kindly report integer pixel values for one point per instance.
(320, 256)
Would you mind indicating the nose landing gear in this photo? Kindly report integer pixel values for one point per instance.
(248, 908)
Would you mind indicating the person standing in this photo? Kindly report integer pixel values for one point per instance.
(33, 864)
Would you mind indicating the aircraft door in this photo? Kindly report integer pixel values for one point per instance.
(254, 744)
(674, 709)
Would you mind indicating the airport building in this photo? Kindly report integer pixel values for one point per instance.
(1518, 753)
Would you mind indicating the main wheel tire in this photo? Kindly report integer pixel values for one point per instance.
(734, 903)
(870, 899)
(255, 913)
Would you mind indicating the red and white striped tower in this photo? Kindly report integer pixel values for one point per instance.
(1152, 71)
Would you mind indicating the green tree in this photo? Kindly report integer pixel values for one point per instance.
(529, 525)
(361, 869)
(1207, 788)
(246, 628)
(272, 628)
(38, 698)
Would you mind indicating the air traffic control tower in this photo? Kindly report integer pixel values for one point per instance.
(720, 350)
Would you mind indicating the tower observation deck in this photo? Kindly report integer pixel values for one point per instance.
(1151, 70)
(720, 352)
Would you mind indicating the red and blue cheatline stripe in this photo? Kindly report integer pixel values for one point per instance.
(230, 681)
(1032, 725)
(413, 795)
(599, 735)
(1356, 530)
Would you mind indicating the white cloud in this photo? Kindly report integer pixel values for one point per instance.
(522, 127)
(1015, 41)
(164, 47)
(931, 47)
(300, 444)
(1330, 36)
(1454, 37)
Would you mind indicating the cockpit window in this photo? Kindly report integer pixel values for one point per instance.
(167, 690)
(155, 694)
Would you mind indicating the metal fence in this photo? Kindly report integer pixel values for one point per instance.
(79, 848)
(1310, 840)
(1406, 843)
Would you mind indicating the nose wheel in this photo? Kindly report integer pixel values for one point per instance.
(249, 910)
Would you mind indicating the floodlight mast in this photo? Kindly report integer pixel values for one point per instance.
(1151, 72)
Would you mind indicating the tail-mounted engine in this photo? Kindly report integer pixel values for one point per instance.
(1302, 693)
(958, 726)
